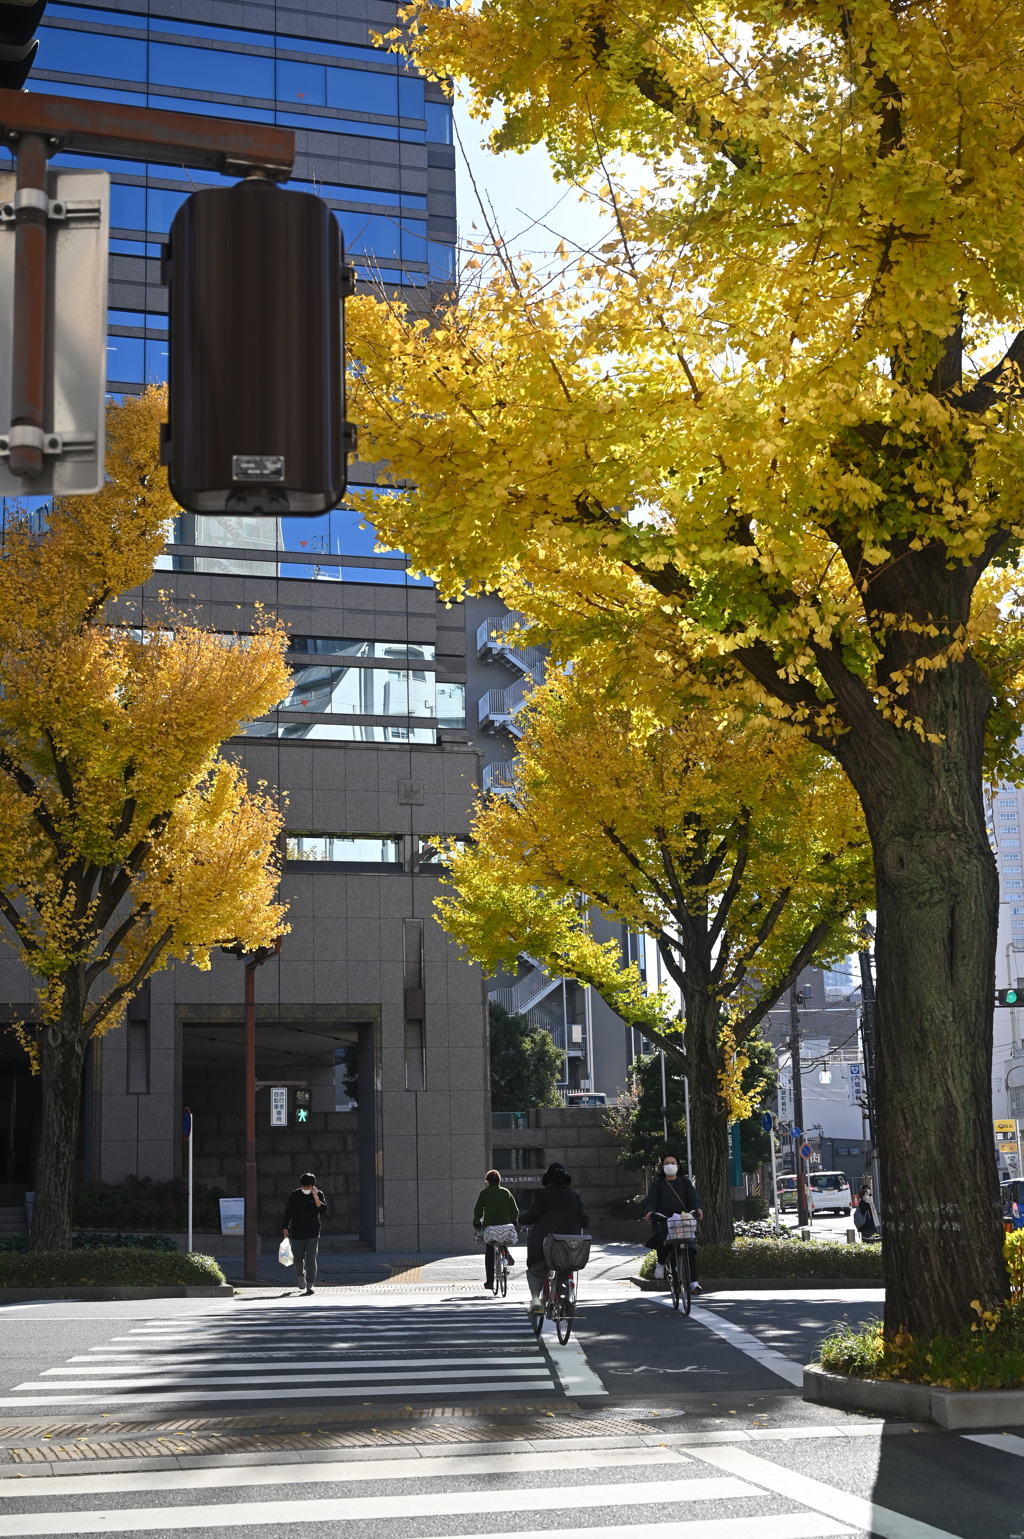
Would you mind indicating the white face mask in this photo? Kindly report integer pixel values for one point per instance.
(306, 1190)
(670, 1170)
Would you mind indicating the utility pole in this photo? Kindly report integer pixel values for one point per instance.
(803, 1211)
(867, 1031)
(252, 960)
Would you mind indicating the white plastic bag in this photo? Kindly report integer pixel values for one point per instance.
(284, 1252)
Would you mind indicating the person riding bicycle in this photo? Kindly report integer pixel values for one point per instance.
(495, 1207)
(556, 1210)
(670, 1192)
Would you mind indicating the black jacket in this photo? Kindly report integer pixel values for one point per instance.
(302, 1216)
(678, 1196)
(557, 1210)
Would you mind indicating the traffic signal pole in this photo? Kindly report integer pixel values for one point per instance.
(253, 960)
(803, 1209)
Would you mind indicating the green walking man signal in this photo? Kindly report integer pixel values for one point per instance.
(302, 1105)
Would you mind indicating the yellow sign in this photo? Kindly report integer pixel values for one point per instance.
(1005, 1127)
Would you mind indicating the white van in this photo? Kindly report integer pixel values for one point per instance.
(827, 1190)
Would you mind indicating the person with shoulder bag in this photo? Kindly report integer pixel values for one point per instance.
(670, 1192)
(555, 1210)
(865, 1216)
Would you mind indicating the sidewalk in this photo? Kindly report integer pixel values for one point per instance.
(609, 1263)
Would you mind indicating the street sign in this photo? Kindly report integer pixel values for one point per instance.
(1004, 1125)
(767, 1121)
(278, 1106)
(186, 1123)
(805, 1150)
(855, 1081)
(73, 377)
(794, 1133)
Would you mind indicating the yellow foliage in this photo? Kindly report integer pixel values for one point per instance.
(1013, 1251)
(127, 841)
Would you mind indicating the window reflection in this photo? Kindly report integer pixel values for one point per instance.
(367, 849)
(357, 691)
(338, 647)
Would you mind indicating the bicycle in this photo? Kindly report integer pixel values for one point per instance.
(565, 1254)
(677, 1260)
(499, 1285)
(501, 1260)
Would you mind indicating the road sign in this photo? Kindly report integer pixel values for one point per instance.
(805, 1150)
(855, 1081)
(73, 380)
(186, 1123)
(767, 1121)
(794, 1132)
(278, 1106)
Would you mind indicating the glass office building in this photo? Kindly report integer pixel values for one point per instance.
(369, 1007)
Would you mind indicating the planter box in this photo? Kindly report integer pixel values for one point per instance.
(71, 1291)
(954, 1409)
(729, 1284)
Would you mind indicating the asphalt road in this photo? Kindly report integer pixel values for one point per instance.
(648, 1422)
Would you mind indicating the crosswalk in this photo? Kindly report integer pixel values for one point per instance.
(623, 1493)
(332, 1353)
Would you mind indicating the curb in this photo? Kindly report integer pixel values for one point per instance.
(729, 1284)
(954, 1409)
(73, 1291)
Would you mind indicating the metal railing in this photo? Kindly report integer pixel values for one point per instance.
(500, 779)
(498, 708)
(525, 992)
(492, 644)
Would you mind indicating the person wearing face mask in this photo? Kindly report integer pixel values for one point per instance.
(301, 1225)
(671, 1192)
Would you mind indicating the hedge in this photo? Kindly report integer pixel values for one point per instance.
(783, 1259)
(108, 1266)
(142, 1203)
(19, 1242)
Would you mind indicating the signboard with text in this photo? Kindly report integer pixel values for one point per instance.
(278, 1106)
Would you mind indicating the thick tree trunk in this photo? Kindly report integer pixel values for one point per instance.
(62, 1056)
(937, 898)
(709, 1120)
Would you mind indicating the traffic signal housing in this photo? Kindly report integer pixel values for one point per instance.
(256, 381)
(18, 43)
(1010, 997)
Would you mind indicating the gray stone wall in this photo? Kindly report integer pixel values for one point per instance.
(575, 1136)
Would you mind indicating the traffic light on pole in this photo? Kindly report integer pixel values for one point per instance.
(256, 382)
(1010, 997)
(18, 43)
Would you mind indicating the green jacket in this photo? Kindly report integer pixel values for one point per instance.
(495, 1205)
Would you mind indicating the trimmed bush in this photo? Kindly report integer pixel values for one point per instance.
(815, 1260)
(19, 1242)
(108, 1266)
(141, 1203)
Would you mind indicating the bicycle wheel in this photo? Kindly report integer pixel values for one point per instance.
(501, 1272)
(684, 1276)
(674, 1280)
(566, 1309)
(537, 1320)
(495, 1283)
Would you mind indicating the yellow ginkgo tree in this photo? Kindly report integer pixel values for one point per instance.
(127, 841)
(777, 415)
(729, 840)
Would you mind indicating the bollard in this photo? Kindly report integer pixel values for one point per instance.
(851, 1236)
(805, 1232)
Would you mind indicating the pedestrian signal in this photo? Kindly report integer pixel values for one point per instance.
(256, 380)
(302, 1105)
(1009, 997)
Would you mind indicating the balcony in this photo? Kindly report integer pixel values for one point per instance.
(493, 645)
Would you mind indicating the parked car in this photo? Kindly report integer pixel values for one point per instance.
(1012, 1194)
(827, 1191)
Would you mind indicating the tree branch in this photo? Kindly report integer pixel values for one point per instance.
(991, 387)
(125, 990)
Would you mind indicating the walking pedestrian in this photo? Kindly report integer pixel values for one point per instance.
(496, 1208)
(866, 1216)
(669, 1193)
(556, 1210)
(301, 1225)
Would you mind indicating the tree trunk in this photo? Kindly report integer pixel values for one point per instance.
(62, 1055)
(937, 898)
(709, 1119)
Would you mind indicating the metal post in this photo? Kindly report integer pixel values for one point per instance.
(803, 1213)
(28, 343)
(775, 1184)
(867, 1029)
(664, 1101)
(689, 1140)
(191, 1136)
(251, 1226)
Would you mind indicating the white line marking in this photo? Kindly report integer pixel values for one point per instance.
(148, 1365)
(446, 1465)
(255, 1377)
(1006, 1442)
(570, 1363)
(788, 1525)
(821, 1497)
(774, 1361)
(367, 1509)
(326, 1392)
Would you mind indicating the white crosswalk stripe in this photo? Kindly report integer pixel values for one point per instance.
(584, 1494)
(332, 1352)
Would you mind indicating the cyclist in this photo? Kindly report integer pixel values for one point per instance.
(495, 1205)
(671, 1192)
(556, 1210)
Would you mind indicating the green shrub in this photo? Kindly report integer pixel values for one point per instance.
(108, 1266)
(142, 1203)
(815, 1260)
(750, 1209)
(19, 1242)
(987, 1354)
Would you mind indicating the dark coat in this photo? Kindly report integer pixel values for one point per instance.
(665, 1196)
(556, 1210)
(302, 1216)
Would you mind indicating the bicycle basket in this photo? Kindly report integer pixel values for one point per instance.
(567, 1252)
(682, 1227)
